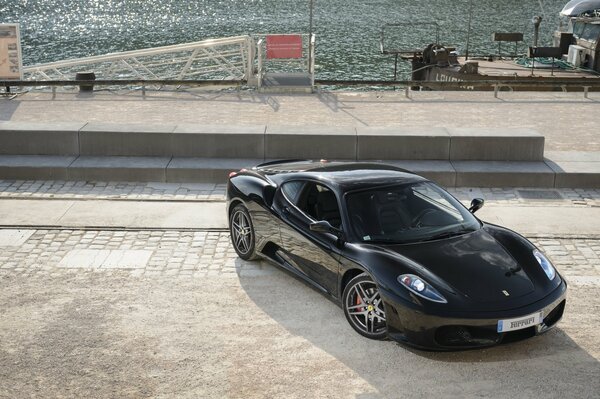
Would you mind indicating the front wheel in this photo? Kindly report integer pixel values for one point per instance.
(242, 233)
(364, 308)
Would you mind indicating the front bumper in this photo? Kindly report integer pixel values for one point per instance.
(437, 332)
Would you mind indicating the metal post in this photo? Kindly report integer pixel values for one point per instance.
(537, 21)
(310, 31)
(469, 29)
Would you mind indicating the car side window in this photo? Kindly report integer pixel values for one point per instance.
(320, 203)
(292, 190)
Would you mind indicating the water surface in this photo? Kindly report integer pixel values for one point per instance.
(347, 30)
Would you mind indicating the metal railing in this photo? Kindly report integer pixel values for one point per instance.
(229, 58)
(584, 85)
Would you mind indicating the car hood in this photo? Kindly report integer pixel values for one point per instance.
(475, 265)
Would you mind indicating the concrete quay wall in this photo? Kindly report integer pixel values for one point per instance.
(270, 142)
(207, 153)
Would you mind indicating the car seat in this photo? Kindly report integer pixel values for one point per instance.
(327, 208)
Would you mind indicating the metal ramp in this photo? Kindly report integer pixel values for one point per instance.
(271, 62)
(229, 58)
(287, 82)
(286, 63)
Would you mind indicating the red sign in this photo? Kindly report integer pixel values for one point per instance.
(284, 46)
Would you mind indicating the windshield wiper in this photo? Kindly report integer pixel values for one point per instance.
(447, 234)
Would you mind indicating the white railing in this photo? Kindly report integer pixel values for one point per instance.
(227, 58)
(259, 56)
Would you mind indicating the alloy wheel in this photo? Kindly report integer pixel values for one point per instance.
(241, 232)
(364, 308)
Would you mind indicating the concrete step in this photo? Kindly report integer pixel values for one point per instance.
(273, 141)
(562, 170)
(141, 169)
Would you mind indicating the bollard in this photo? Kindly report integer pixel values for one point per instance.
(91, 76)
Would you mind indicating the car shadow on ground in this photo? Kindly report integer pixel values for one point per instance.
(547, 364)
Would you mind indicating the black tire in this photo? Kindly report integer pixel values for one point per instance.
(241, 230)
(364, 308)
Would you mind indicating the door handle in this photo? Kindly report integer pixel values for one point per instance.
(286, 210)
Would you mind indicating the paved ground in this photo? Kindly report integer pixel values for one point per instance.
(552, 114)
(49, 189)
(192, 320)
(80, 190)
(109, 313)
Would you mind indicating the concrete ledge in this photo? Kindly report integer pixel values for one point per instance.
(219, 141)
(503, 174)
(24, 138)
(111, 139)
(496, 145)
(258, 141)
(119, 168)
(575, 169)
(35, 167)
(213, 170)
(441, 172)
(553, 173)
(403, 143)
(310, 142)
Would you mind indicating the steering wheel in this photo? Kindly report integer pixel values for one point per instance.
(416, 222)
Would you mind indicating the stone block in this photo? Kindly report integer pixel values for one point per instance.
(24, 138)
(575, 169)
(34, 167)
(503, 174)
(141, 169)
(473, 144)
(213, 170)
(299, 142)
(219, 141)
(111, 139)
(403, 143)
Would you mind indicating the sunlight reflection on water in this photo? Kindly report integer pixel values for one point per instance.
(347, 30)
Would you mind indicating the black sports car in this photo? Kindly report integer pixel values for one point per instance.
(403, 258)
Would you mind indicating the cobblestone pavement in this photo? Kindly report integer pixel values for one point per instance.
(46, 189)
(208, 192)
(197, 254)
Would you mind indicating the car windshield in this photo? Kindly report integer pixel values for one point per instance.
(408, 213)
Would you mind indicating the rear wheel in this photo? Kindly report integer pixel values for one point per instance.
(242, 233)
(364, 308)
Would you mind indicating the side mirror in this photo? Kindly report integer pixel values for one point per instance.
(476, 205)
(325, 227)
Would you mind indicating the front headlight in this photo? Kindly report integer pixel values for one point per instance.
(420, 287)
(545, 264)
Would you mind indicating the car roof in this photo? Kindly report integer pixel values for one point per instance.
(344, 176)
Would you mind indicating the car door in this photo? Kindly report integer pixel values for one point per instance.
(315, 256)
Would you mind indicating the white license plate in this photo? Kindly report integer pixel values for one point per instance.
(520, 322)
